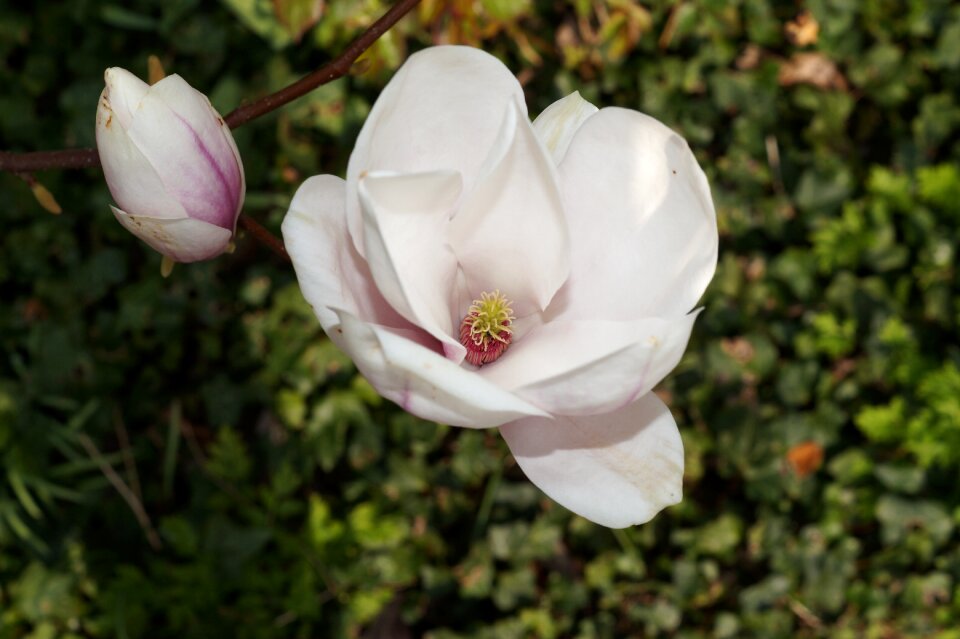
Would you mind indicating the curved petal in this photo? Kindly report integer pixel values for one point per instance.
(440, 111)
(406, 219)
(422, 381)
(588, 367)
(123, 92)
(184, 239)
(214, 135)
(330, 272)
(511, 233)
(559, 122)
(133, 182)
(194, 107)
(642, 223)
(617, 469)
(185, 140)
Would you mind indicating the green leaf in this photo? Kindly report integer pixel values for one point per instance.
(259, 16)
(940, 187)
(123, 18)
(228, 456)
(883, 423)
(900, 516)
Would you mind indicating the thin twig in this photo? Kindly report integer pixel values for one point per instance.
(135, 505)
(26, 177)
(128, 462)
(666, 36)
(336, 68)
(42, 160)
(805, 615)
(264, 236)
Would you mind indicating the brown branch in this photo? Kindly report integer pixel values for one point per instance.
(23, 164)
(265, 237)
(336, 68)
(43, 160)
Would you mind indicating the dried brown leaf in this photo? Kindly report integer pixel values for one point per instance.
(811, 68)
(803, 30)
(739, 349)
(805, 458)
(749, 58)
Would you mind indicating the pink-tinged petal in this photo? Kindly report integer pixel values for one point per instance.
(184, 239)
(559, 122)
(406, 220)
(616, 470)
(642, 223)
(587, 367)
(131, 178)
(330, 272)
(194, 107)
(123, 92)
(424, 382)
(511, 233)
(440, 111)
(190, 147)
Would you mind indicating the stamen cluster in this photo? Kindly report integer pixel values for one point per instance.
(485, 331)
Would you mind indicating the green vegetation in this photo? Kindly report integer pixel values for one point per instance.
(275, 495)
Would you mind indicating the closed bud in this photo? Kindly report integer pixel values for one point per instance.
(171, 165)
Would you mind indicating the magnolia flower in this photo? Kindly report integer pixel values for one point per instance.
(171, 165)
(485, 271)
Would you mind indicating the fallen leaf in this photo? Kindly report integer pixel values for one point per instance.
(34, 310)
(749, 58)
(811, 68)
(756, 268)
(803, 30)
(738, 349)
(805, 458)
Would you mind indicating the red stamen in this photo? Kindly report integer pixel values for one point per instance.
(483, 348)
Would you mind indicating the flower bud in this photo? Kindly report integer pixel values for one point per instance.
(171, 165)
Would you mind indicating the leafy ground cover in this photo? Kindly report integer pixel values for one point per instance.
(189, 457)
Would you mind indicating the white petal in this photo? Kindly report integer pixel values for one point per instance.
(440, 111)
(123, 93)
(406, 220)
(132, 180)
(187, 143)
(184, 239)
(194, 107)
(559, 122)
(642, 223)
(424, 382)
(588, 367)
(617, 469)
(330, 272)
(511, 233)
(214, 135)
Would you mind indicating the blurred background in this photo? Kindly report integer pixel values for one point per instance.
(190, 457)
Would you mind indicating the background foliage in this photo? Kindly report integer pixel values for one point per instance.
(266, 491)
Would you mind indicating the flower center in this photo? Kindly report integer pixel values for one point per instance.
(485, 331)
